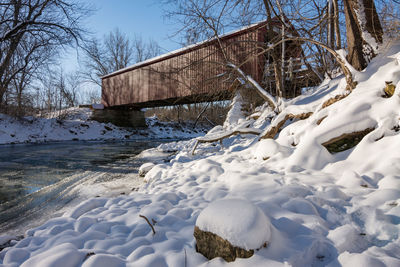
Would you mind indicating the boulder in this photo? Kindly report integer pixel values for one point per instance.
(346, 141)
(230, 229)
(212, 246)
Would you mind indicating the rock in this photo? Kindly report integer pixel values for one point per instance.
(212, 246)
(145, 168)
(231, 228)
(346, 141)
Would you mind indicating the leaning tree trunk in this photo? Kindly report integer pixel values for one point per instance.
(364, 32)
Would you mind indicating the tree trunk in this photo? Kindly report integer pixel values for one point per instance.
(331, 24)
(336, 23)
(274, 54)
(364, 32)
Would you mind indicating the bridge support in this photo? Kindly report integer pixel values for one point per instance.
(120, 117)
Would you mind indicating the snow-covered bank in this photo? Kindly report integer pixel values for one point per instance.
(325, 209)
(76, 125)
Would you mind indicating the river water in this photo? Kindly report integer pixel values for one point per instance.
(41, 178)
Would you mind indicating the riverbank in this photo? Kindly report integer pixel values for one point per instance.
(75, 124)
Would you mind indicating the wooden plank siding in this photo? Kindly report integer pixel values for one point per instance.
(192, 74)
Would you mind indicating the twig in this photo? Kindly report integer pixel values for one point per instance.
(201, 113)
(185, 257)
(210, 122)
(148, 222)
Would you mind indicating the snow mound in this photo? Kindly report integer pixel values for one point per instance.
(145, 168)
(237, 220)
(352, 180)
(266, 148)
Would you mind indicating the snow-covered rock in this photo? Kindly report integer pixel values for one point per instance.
(145, 168)
(266, 148)
(238, 221)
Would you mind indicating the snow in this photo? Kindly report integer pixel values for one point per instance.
(5, 238)
(145, 168)
(75, 124)
(235, 114)
(266, 148)
(239, 221)
(324, 209)
(97, 106)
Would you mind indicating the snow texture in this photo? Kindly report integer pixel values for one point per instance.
(235, 114)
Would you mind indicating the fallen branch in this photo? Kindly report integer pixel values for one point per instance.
(224, 135)
(320, 120)
(273, 130)
(148, 222)
(334, 99)
(264, 94)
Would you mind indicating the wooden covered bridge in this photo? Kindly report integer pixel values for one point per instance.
(198, 73)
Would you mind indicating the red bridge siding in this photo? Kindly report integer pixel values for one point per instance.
(186, 75)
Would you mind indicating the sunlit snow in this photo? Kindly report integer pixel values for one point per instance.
(324, 209)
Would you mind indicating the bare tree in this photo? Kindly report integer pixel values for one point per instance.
(115, 52)
(68, 86)
(145, 50)
(31, 29)
(102, 57)
(92, 96)
(317, 23)
(209, 19)
(364, 31)
(389, 13)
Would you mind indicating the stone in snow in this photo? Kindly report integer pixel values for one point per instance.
(231, 228)
(145, 168)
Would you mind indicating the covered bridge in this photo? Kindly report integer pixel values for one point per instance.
(198, 72)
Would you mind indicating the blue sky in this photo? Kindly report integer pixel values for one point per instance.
(140, 17)
(143, 17)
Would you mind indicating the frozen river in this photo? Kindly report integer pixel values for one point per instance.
(36, 181)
